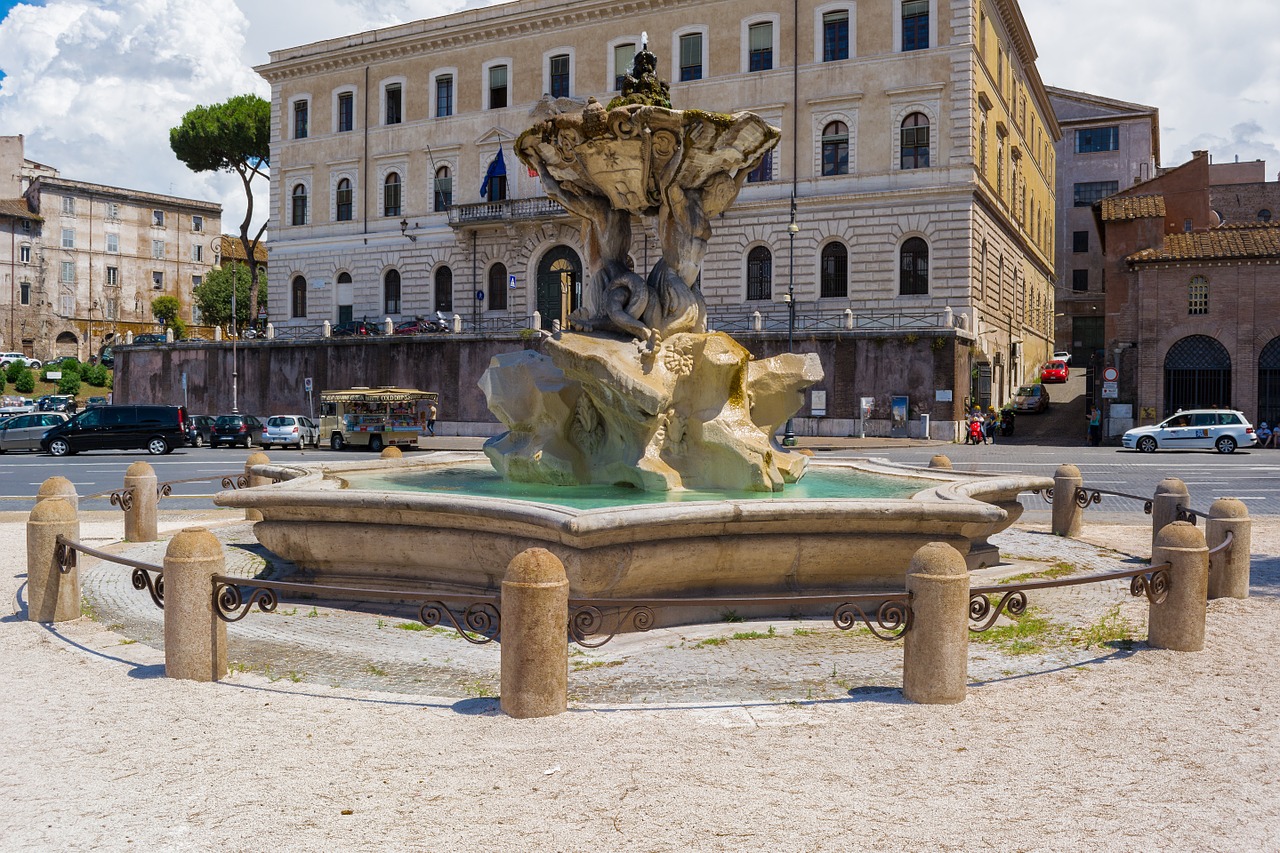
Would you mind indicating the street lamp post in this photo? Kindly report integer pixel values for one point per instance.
(232, 326)
(789, 437)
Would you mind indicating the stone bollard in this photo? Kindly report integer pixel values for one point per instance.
(940, 461)
(1229, 568)
(1170, 492)
(258, 458)
(391, 453)
(59, 487)
(51, 595)
(195, 639)
(1178, 623)
(140, 518)
(935, 655)
(1067, 514)
(535, 636)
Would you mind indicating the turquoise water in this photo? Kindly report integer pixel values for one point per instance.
(481, 480)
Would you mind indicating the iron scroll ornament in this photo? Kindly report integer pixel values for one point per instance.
(231, 606)
(141, 580)
(893, 618)
(65, 556)
(123, 499)
(480, 622)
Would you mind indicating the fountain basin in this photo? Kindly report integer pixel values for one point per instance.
(451, 541)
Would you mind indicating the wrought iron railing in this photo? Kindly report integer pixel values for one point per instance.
(506, 210)
(775, 318)
(231, 481)
(297, 332)
(1151, 581)
(1084, 497)
(65, 551)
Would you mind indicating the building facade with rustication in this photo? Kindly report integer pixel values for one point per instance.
(918, 144)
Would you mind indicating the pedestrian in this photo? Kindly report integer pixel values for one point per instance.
(1095, 426)
(990, 424)
(431, 418)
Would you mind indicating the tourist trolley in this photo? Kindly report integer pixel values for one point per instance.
(374, 417)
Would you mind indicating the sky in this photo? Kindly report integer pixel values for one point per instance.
(95, 85)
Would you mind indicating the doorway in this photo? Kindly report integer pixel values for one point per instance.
(559, 285)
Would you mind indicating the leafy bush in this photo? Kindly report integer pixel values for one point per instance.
(69, 383)
(96, 375)
(14, 370)
(2, 381)
(26, 381)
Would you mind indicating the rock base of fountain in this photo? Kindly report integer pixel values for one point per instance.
(695, 411)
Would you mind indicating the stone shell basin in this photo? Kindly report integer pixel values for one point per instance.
(452, 542)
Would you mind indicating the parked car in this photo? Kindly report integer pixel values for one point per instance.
(10, 405)
(354, 327)
(1031, 398)
(235, 429)
(58, 403)
(200, 430)
(1062, 355)
(1055, 371)
(96, 401)
(150, 338)
(7, 358)
(1194, 429)
(107, 357)
(23, 432)
(156, 429)
(290, 431)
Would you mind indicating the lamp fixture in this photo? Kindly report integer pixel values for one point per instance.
(404, 229)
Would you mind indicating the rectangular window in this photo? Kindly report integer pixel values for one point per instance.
(157, 280)
(444, 96)
(690, 57)
(113, 244)
(197, 223)
(395, 111)
(1079, 241)
(835, 36)
(497, 87)
(1198, 302)
(157, 249)
(915, 24)
(346, 112)
(26, 293)
(113, 210)
(760, 43)
(197, 252)
(68, 238)
(113, 309)
(300, 119)
(196, 281)
(68, 272)
(762, 173)
(113, 276)
(623, 56)
(559, 74)
(1086, 194)
(68, 305)
(68, 205)
(24, 253)
(1187, 226)
(1080, 280)
(157, 218)
(1098, 139)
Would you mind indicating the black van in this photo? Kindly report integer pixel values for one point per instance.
(157, 429)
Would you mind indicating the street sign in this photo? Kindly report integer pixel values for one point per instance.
(479, 296)
(1110, 374)
(306, 384)
(1110, 391)
(511, 282)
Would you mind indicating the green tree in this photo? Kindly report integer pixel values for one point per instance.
(213, 295)
(234, 136)
(166, 310)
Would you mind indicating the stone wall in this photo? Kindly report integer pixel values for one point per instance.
(272, 374)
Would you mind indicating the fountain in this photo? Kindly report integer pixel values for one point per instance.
(637, 407)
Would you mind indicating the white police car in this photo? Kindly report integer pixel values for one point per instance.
(1194, 429)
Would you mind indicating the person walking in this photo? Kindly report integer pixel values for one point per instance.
(1095, 426)
(431, 419)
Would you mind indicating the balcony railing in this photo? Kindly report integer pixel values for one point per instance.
(506, 210)
(773, 318)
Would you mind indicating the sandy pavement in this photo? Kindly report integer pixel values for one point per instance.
(1153, 750)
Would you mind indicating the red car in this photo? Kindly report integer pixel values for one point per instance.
(1054, 371)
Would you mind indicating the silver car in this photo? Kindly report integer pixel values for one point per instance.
(23, 432)
(1194, 429)
(290, 431)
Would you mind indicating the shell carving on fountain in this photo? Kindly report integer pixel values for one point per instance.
(641, 393)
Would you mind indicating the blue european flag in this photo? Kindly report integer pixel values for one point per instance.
(497, 169)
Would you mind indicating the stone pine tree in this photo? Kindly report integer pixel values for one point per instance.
(234, 136)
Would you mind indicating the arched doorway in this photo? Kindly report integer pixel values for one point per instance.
(1268, 384)
(1197, 374)
(67, 345)
(559, 285)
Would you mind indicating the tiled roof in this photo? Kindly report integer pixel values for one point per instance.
(17, 208)
(1132, 207)
(1244, 240)
(233, 250)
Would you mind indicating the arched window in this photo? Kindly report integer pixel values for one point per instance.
(345, 296)
(1198, 295)
(391, 291)
(299, 216)
(299, 300)
(915, 141)
(443, 193)
(759, 273)
(835, 149)
(1264, 215)
(1269, 383)
(835, 270)
(391, 195)
(1197, 375)
(444, 289)
(913, 270)
(497, 293)
(344, 200)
